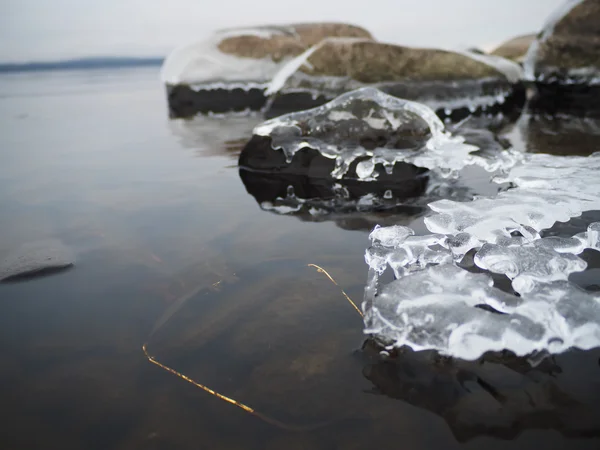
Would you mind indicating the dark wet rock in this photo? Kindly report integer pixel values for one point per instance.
(229, 70)
(515, 48)
(499, 395)
(560, 134)
(361, 134)
(441, 79)
(565, 60)
(187, 101)
(36, 259)
(568, 48)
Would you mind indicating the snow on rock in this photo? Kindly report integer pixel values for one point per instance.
(247, 57)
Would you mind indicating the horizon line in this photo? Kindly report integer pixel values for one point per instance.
(83, 63)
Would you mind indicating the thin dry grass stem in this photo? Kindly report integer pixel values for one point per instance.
(321, 270)
(232, 401)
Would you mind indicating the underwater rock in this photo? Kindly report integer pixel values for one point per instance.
(363, 134)
(36, 259)
(443, 80)
(565, 60)
(516, 48)
(230, 70)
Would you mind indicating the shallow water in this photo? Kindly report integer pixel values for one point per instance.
(157, 213)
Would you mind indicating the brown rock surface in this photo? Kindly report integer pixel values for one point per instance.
(515, 48)
(568, 44)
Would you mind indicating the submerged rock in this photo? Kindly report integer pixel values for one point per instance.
(440, 79)
(36, 259)
(230, 70)
(565, 60)
(515, 48)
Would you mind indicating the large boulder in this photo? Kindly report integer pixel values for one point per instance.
(229, 70)
(515, 48)
(443, 80)
(565, 60)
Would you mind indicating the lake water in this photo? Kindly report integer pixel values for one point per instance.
(168, 238)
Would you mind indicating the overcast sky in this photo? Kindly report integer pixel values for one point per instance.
(59, 29)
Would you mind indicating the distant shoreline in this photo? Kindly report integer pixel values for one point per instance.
(82, 64)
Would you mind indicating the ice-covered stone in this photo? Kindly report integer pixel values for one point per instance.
(439, 78)
(368, 124)
(229, 70)
(248, 56)
(567, 50)
(564, 61)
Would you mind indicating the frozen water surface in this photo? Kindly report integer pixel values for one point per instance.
(435, 303)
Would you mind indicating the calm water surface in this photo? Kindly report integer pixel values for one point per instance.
(173, 251)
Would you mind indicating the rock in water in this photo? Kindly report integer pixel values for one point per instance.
(230, 70)
(516, 48)
(35, 259)
(565, 60)
(366, 135)
(442, 80)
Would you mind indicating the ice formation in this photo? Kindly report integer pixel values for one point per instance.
(434, 303)
(473, 94)
(377, 128)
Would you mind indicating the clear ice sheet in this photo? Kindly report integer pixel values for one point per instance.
(414, 134)
(434, 303)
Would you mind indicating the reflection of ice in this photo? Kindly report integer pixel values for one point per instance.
(433, 304)
(377, 128)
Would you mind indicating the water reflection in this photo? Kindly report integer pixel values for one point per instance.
(560, 134)
(214, 136)
(352, 204)
(499, 395)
